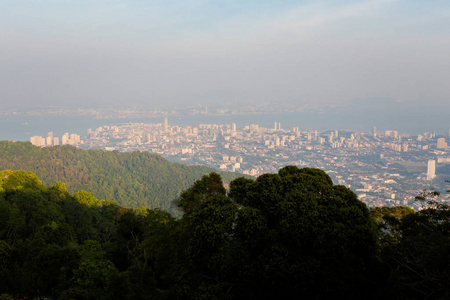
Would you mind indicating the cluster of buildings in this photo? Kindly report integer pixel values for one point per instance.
(383, 169)
(50, 140)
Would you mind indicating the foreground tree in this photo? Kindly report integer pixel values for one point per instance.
(280, 235)
(288, 235)
(419, 256)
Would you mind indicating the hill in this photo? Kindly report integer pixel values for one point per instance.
(132, 179)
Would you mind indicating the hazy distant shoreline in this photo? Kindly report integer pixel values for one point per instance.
(22, 127)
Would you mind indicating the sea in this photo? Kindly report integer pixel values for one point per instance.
(415, 119)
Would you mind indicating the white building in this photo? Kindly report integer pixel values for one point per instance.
(431, 171)
(38, 141)
(65, 138)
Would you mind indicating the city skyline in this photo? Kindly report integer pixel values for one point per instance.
(362, 116)
(385, 169)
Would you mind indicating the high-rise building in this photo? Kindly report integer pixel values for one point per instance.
(374, 131)
(166, 125)
(74, 139)
(65, 138)
(428, 135)
(233, 127)
(391, 133)
(431, 170)
(49, 139)
(37, 141)
(275, 126)
(441, 144)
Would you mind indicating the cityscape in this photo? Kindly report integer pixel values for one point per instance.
(382, 168)
(224, 150)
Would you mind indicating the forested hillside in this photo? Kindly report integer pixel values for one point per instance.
(289, 235)
(132, 179)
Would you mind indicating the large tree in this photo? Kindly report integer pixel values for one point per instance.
(282, 234)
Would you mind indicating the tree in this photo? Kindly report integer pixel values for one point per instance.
(85, 198)
(301, 234)
(209, 186)
(58, 192)
(19, 180)
(282, 234)
(420, 256)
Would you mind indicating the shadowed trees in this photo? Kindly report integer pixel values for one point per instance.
(416, 246)
(282, 234)
(288, 235)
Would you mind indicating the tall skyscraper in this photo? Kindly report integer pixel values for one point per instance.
(431, 171)
(233, 127)
(275, 126)
(166, 125)
(374, 131)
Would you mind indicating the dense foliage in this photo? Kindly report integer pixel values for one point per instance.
(131, 179)
(285, 234)
(416, 246)
(288, 235)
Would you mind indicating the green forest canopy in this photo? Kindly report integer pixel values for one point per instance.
(285, 234)
(132, 179)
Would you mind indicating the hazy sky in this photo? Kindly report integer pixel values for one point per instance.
(59, 52)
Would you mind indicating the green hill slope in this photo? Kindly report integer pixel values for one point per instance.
(132, 179)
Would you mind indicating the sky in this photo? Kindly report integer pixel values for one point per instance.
(173, 52)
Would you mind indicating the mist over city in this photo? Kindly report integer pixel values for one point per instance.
(302, 53)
